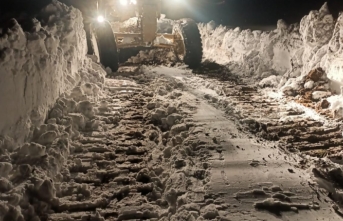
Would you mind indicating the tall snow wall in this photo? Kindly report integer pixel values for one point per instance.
(289, 51)
(36, 67)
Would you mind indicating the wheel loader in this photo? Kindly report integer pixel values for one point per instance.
(105, 43)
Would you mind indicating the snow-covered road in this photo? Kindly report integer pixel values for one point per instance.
(156, 145)
(165, 143)
(247, 175)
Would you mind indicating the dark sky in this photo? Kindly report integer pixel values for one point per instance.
(228, 12)
(247, 12)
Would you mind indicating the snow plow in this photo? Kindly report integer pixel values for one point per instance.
(102, 41)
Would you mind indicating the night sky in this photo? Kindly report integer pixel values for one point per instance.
(247, 12)
(242, 13)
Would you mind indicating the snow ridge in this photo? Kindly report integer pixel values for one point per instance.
(288, 52)
(48, 88)
(38, 66)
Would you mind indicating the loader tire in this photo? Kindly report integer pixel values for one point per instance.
(189, 32)
(106, 46)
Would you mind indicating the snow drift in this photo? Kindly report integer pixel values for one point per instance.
(48, 91)
(36, 67)
(287, 53)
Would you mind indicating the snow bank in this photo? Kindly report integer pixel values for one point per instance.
(37, 67)
(290, 50)
(48, 95)
(251, 52)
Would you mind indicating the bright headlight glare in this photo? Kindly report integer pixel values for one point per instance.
(101, 18)
(133, 2)
(123, 2)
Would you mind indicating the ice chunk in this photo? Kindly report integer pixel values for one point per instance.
(5, 169)
(317, 95)
(309, 85)
(32, 149)
(271, 81)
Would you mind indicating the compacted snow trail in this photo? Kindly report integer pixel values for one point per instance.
(145, 161)
(109, 165)
(163, 143)
(159, 143)
(216, 171)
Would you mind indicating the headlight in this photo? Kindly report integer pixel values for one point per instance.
(101, 18)
(124, 2)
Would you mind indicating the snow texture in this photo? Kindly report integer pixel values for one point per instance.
(290, 51)
(48, 89)
(39, 66)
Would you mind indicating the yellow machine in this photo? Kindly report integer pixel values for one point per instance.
(102, 41)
